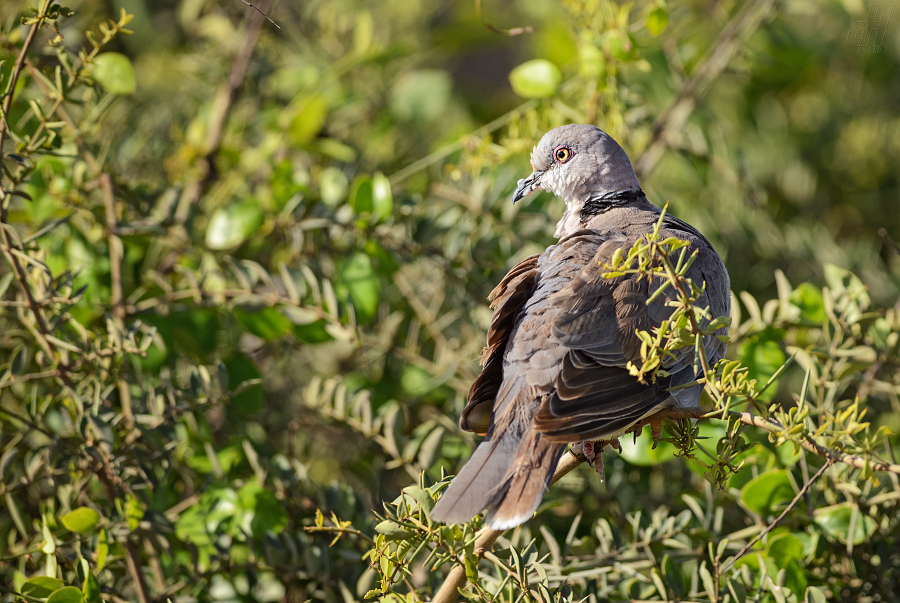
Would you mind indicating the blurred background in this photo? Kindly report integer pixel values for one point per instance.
(312, 211)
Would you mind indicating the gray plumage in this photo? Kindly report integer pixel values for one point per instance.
(561, 335)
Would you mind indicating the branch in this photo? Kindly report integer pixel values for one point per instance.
(17, 69)
(680, 108)
(778, 519)
(833, 455)
(117, 297)
(220, 112)
(456, 578)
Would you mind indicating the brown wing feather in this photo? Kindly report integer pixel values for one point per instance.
(595, 397)
(507, 300)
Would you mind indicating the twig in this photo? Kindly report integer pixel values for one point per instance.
(117, 297)
(17, 69)
(515, 31)
(262, 13)
(486, 538)
(340, 530)
(778, 519)
(713, 63)
(883, 233)
(833, 455)
(220, 112)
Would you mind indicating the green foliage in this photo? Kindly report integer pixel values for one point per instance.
(243, 283)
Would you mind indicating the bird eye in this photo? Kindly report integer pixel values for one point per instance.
(562, 154)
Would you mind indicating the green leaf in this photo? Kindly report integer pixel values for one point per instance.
(66, 594)
(836, 519)
(358, 279)
(814, 594)
(537, 78)
(314, 332)
(393, 530)
(765, 491)
(266, 324)
(263, 511)
(784, 548)
(233, 224)
(81, 521)
(40, 587)
(306, 116)
(657, 19)
(763, 357)
(250, 399)
(332, 186)
(591, 62)
(91, 588)
(382, 198)
(361, 194)
(134, 512)
(114, 72)
(809, 299)
(102, 550)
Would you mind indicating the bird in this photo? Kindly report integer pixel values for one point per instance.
(555, 367)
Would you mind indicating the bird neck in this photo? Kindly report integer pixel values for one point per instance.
(602, 203)
(580, 214)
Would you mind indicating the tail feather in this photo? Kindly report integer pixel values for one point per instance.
(508, 476)
(515, 501)
(470, 492)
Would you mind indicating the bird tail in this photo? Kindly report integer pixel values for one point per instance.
(507, 475)
(516, 500)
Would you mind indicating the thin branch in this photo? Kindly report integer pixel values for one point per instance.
(117, 297)
(220, 112)
(262, 13)
(515, 31)
(17, 69)
(833, 455)
(716, 59)
(778, 519)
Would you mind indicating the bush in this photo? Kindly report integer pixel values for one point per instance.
(243, 280)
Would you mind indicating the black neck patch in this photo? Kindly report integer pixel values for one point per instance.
(603, 203)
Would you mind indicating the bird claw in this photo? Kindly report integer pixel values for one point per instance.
(593, 453)
(656, 431)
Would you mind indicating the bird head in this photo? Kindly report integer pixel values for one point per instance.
(582, 164)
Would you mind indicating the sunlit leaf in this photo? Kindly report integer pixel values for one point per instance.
(231, 225)
(81, 520)
(537, 78)
(40, 587)
(657, 19)
(67, 594)
(763, 356)
(114, 72)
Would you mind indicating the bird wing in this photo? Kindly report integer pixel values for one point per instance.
(594, 395)
(507, 300)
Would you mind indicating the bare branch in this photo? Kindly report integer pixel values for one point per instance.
(778, 519)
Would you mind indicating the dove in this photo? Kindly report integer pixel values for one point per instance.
(555, 364)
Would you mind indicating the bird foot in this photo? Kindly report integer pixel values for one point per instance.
(656, 432)
(592, 451)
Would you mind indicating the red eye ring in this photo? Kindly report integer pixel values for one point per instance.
(562, 154)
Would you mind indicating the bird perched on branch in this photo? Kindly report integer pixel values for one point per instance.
(562, 334)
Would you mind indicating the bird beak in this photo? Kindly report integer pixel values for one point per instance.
(527, 186)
